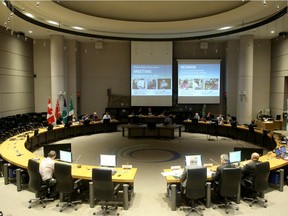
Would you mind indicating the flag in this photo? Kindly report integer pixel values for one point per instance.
(57, 109)
(71, 107)
(64, 112)
(50, 116)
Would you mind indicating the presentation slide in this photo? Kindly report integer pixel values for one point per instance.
(151, 74)
(199, 81)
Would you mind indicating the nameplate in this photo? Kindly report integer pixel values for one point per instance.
(208, 164)
(127, 166)
(175, 167)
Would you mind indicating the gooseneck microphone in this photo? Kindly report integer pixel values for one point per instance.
(214, 161)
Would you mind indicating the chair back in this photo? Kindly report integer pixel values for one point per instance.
(230, 181)
(35, 179)
(65, 181)
(196, 183)
(262, 172)
(102, 184)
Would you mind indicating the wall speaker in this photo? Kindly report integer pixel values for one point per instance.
(203, 45)
(98, 44)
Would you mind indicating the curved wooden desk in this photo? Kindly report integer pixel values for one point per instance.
(15, 151)
(275, 163)
(259, 137)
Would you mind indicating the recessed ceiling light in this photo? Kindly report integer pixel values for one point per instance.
(78, 28)
(52, 22)
(30, 32)
(29, 15)
(272, 32)
(225, 28)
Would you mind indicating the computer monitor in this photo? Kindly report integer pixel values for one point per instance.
(65, 156)
(283, 149)
(188, 157)
(277, 152)
(108, 160)
(235, 157)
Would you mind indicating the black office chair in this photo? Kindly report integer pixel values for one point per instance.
(259, 184)
(104, 190)
(66, 186)
(229, 185)
(37, 185)
(196, 188)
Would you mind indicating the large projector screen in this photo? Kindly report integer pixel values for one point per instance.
(198, 81)
(151, 73)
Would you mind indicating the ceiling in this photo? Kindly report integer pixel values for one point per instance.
(146, 19)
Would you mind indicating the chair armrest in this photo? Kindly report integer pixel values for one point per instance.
(116, 188)
(76, 183)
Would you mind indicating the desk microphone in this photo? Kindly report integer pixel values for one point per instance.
(214, 161)
(78, 160)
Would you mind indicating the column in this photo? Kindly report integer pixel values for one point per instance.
(245, 80)
(57, 66)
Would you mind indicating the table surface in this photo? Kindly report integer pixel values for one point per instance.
(13, 151)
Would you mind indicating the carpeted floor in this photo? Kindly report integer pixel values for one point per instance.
(150, 156)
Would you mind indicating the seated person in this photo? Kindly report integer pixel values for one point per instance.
(248, 174)
(197, 116)
(167, 119)
(46, 170)
(228, 119)
(85, 119)
(106, 117)
(193, 165)
(94, 116)
(220, 120)
(209, 116)
(224, 158)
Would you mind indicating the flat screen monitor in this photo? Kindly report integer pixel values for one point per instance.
(65, 156)
(108, 160)
(56, 147)
(283, 149)
(235, 157)
(188, 157)
(277, 152)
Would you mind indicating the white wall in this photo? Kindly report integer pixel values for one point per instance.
(16, 75)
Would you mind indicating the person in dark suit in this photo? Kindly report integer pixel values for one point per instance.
(193, 165)
(224, 164)
(248, 174)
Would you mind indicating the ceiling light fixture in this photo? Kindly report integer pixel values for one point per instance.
(78, 28)
(225, 28)
(264, 2)
(53, 22)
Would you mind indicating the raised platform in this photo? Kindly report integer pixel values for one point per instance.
(146, 130)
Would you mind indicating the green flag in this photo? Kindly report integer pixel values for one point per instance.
(71, 107)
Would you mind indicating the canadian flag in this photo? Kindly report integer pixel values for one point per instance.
(50, 116)
(57, 109)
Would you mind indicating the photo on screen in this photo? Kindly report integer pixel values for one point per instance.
(199, 81)
(151, 73)
(188, 157)
(108, 160)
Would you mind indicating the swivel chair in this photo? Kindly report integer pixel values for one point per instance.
(229, 186)
(37, 185)
(196, 188)
(104, 190)
(66, 186)
(259, 184)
